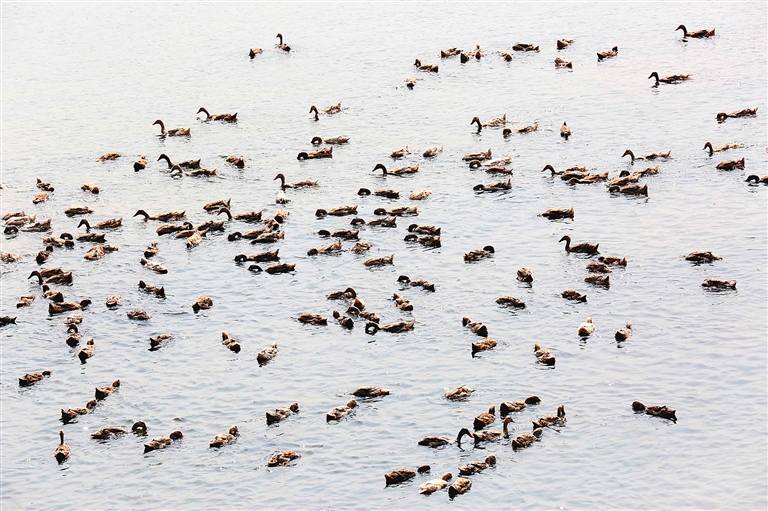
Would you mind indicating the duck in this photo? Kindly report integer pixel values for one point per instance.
(473, 467)
(586, 328)
(224, 438)
(282, 458)
(551, 420)
(489, 436)
(92, 237)
(669, 79)
(30, 379)
(493, 123)
(267, 354)
(582, 248)
(524, 47)
(459, 487)
(479, 157)
(296, 184)
(282, 413)
(333, 109)
(400, 171)
(432, 68)
(140, 164)
(475, 327)
(7, 320)
(493, 187)
(25, 301)
(270, 255)
(338, 211)
(269, 237)
(450, 52)
(572, 294)
(696, 34)
(424, 284)
(399, 211)
(394, 328)
(325, 152)
(439, 441)
(613, 260)
(624, 333)
(506, 56)
(399, 153)
(39, 226)
(188, 164)
(657, 411)
(331, 140)
(86, 351)
(39, 198)
(156, 342)
(177, 171)
(563, 62)
(746, 112)
(369, 392)
(564, 43)
(477, 255)
(730, 164)
(376, 222)
(360, 247)
(702, 257)
(90, 187)
(171, 228)
(340, 412)
(608, 54)
(528, 129)
(556, 214)
(433, 485)
(58, 308)
(162, 442)
(255, 51)
(598, 267)
(598, 280)
(99, 251)
(218, 117)
(719, 149)
(402, 302)
(754, 179)
(138, 315)
(78, 210)
(719, 284)
(50, 277)
(461, 393)
(282, 45)
(155, 267)
(380, 261)
(348, 293)
(485, 419)
(73, 336)
(112, 432)
(202, 303)
(389, 194)
(427, 241)
(109, 157)
(508, 407)
(525, 440)
(432, 151)
(103, 392)
(44, 185)
(163, 217)
(484, 345)
(625, 178)
(217, 205)
(62, 451)
(10, 257)
(511, 301)
(543, 356)
(176, 132)
(69, 414)
(326, 249)
(235, 161)
(399, 476)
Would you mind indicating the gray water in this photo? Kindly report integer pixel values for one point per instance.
(82, 79)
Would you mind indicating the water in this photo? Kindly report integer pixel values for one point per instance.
(80, 80)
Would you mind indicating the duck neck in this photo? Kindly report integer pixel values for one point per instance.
(162, 126)
(567, 244)
(167, 159)
(207, 115)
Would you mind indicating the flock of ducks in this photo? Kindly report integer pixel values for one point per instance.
(270, 230)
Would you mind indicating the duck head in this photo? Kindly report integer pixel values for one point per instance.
(176, 435)
(139, 427)
(313, 108)
(316, 140)
(380, 166)
(629, 153)
(203, 110)
(638, 406)
(489, 248)
(162, 126)
(476, 120)
(280, 36)
(462, 432)
(654, 75)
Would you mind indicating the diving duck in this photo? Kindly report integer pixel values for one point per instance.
(369, 392)
(140, 164)
(103, 392)
(754, 179)
(439, 441)
(158, 291)
(551, 420)
(163, 217)
(516, 406)
(399, 476)
(555, 214)
(476, 255)
(25, 301)
(572, 294)
(475, 327)
(563, 62)
(218, 117)
(338, 211)
(380, 261)
(719, 284)
(624, 333)
(230, 343)
(112, 432)
(282, 458)
(657, 411)
(583, 248)
(359, 248)
(608, 54)
(394, 328)
(162, 442)
(312, 319)
(332, 140)
(203, 302)
(485, 419)
(266, 354)
(432, 68)
(255, 51)
(730, 164)
(155, 267)
(669, 79)
(188, 164)
(511, 301)
(69, 414)
(333, 109)
(506, 56)
(525, 440)
(524, 47)
(493, 123)
(432, 151)
(493, 187)
(109, 157)
(281, 413)
(39, 198)
(281, 45)
(434, 485)
(176, 132)
(696, 34)
(224, 438)
(325, 152)
(564, 43)
(30, 379)
(543, 356)
(702, 257)
(160, 340)
(586, 328)
(459, 487)
(86, 351)
(450, 52)
(650, 156)
(138, 315)
(747, 112)
(50, 277)
(459, 393)
(598, 280)
(340, 412)
(296, 184)
(473, 467)
(719, 149)
(62, 451)
(400, 171)
(613, 260)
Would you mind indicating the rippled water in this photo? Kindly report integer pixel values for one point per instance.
(80, 80)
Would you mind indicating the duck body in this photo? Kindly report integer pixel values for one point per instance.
(267, 354)
(459, 487)
(332, 140)
(400, 171)
(525, 440)
(494, 187)
(477, 255)
(279, 414)
(702, 257)
(176, 132)
(544, 356)
(608, 54)
(230, 343)
(746, 112)
(696, 34)
(572, 294)
(564, 43)
(731, 164)
(434, 485)
(657, 411)
(551, 420)
(30, 379)
(162, 442)
(138, 315)
(103, 392)
(719, 149)
(432, 68)
(399, 476)
(524, 47)
(586, 328)
(563, 62)
(325, 152)
(218, 117)
(224, 438)
(340, 412)
(581, 248)
(485, 419)
(282, 458)
(719, 284)
(510, 301)
(556, 214)
(62, 451)
(474, 467)
(624, 333)
(669, 79)
(461, 393)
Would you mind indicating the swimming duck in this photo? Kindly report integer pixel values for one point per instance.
(268, 237)
(399, 153)
(608, 54)
(624, 333)
(432, 68)
(230, 343)
(461, 393)
(176, 132)
(360, 247)
(57, 308)
(481, 156)
(459, 487)
(177, 171)
(613, 260)
(39, 198)
(333, 109)
(158, 291)
(624, 179)
(475, 326)
(297, 184)
(565, 131)
(78, 210)
(399, 476)
(598, 280)
(485, 419)
(271, 255)
(73, 336)
(69, 414)
(224, 438)
(109, 157)
(282, 413)
(702, 257)
(40, 226)
(379, 261)
(163, 217)
(525, 440)
(348, 293)
(255, 51)
(473, 467)
(203, 302)
(493, 187)
(450, 52)
(140, 164)
(86, 351)
(551, 420)
(325, 152)
(7, 320)
(527, 129)
(439, 441)
(282, 458)
(399, 211)
(332, 140)
(424, 284)
(266, 354)
(44, 185)
(555, 214)
(427, 241)
(562, 62)
(111, 432)
(586, 328)
(524, 47)
(218, 117)
(25, 301)
(400, 171)
(506, 56)
(394, 328)
(434, 485)
(42, 256)
(563, 43)
(719, 149)
(510, 301)
(171, 228)
(476, 255)
(402, 302)
(103, 392)
(312, 319)
(282, 46)
(669, 79)
(432, 151)
(572, 294)
(340, 412)
(30, 379)
(90, 187)
(499, 121)
(369, 392)
(747, 112)
(139, 315)
(598, 267)
(52, 277)
(62, 451)
(189, 164)
(731, 164)
(697, 34)
(10, 257)
(508, 407)
(544, 356)
(98, 251)
(719, 283)
(326, 249)
(338, 211)
(657, 411)
(162, 442)
(753, 179)
(160, 340)
(583, 248)
(389, 194)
